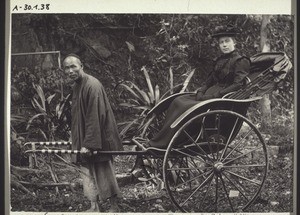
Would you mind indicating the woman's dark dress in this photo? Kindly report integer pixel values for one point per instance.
(227, 76)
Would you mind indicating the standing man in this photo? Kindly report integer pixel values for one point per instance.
(93, 128)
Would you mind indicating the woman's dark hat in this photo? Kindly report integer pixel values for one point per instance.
(222, 31)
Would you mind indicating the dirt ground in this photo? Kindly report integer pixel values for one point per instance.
(276, 196)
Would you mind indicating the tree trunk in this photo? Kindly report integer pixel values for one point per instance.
(265, 103)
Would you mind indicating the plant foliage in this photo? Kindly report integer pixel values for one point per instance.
(143, 100)
(49, 122)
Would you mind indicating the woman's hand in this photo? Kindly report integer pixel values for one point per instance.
(208, 96)
(199, 95)
(200, 92)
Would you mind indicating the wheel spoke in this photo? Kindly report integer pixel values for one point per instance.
(189, 136)
(218, 118)
(209, 145)
(175, 171)
(200, 132)
(199, 187)
(198, 154)
(224, 187)
(241, 192)
(242, 166)
(217, 193)
(206, 192)
(186, 154)
(242, 177)
(178, 176)
(192, 179)
(237, 145)
(192, 162)
(189, 172)
(238, 157)
(236, 181)
(228, 140)
(189, 168)
(199, 170)
(215, 167)
(195, 165)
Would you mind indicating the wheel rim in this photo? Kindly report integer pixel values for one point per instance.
(214, 170)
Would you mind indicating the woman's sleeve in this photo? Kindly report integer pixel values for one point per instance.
(208, 83)
(241, 70)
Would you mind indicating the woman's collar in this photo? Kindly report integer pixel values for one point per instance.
(230, 53)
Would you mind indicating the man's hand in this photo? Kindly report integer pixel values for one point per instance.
(85, 151)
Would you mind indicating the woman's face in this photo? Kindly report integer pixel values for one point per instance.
(226, 44)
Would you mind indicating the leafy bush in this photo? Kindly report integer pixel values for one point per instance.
(143, 101)
(49, 122)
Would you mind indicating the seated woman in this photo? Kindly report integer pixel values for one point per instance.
(228, 75)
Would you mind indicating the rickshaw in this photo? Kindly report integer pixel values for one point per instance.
(216, 159)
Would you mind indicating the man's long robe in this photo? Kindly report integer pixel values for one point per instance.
(93, 122)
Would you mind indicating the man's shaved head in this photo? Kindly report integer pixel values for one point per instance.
(73, 57)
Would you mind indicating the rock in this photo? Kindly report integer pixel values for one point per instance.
(159, 207)
(158, 201)
(102, 51)
(137, 173)
(125, 178)
(273, 150)
(152, 209)
(274, 203)
(286, 148)
(48, 62)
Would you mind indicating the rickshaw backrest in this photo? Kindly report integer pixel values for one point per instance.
(278, 61)
(266, 70)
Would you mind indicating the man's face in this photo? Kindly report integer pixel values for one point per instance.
(226, 44)
(73, 68)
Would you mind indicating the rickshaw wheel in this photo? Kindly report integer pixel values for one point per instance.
(216, 162)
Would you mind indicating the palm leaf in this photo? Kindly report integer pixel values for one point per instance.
(129, 105)
(146, 98)
(148, 80)
(59, 110)
(157, 94)
(187, 80)
(18, 119)
(130, 46)
(134, 102)
(142, 93)
(43, 134)
(171, 91)
(34, 117)
(49, 99)
(171, 80)
(37, 105)
(132, 92)
(41, 94)
(147, 124)
(127, 127)
(138, 107)
(141, 107)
